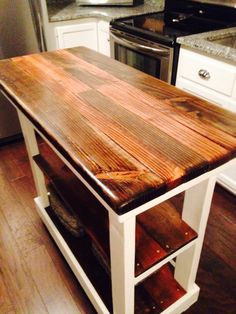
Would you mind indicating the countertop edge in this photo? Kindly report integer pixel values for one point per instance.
(204, 42)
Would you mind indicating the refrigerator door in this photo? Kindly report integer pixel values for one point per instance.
(17, 37)
(37, 15)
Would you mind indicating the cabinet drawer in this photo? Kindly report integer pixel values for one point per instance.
(207, 72)
(208, 94)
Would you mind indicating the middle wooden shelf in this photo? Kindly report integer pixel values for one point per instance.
(160, 231)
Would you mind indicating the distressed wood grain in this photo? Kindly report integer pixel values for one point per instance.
(131, 136)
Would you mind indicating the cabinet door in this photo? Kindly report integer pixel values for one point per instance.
(103, 38)
(83, 34)
(207, 71)
(219, 87)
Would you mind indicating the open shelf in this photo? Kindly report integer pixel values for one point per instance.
(160, 231)
(156, 290)
(160, 287)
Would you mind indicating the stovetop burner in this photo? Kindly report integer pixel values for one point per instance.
(180, 18)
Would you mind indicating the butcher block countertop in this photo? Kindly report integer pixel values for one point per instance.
(130, 136)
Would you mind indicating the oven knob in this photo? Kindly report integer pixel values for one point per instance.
(204, 74)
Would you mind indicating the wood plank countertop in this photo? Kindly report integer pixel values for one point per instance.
(131, 136)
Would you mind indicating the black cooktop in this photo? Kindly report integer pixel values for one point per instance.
(180, 18)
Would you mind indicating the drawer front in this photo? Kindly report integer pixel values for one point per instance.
(208, 94)
(208, 72)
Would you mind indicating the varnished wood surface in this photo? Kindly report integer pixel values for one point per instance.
(132, 137)
(23, 238)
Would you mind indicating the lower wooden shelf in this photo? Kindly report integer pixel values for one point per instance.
(160, 232)
(157, 294)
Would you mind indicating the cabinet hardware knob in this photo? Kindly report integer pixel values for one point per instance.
(204, 74)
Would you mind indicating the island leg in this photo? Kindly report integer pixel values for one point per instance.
(32, 149)
(122, 246)
(196, 208)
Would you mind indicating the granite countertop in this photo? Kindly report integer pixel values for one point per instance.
(71, 11)
(227, 3)
(208, 43)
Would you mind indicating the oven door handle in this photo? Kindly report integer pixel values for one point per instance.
(137, 46)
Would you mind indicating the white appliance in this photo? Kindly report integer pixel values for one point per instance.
(21, 33)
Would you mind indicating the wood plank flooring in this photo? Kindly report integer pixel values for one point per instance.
(34, 277)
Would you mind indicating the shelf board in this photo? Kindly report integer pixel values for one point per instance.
(159, 231)
(160, 287)
(163, 288)
(164, 224)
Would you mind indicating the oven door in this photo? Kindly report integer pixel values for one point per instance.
(149, 57)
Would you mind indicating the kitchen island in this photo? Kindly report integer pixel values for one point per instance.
(132, 142)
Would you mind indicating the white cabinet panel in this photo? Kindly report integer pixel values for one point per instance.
(228, 179)
(208, 72)
(210, 95)
(234, 90)
(220, 88)
(103, 38)
(82, 34)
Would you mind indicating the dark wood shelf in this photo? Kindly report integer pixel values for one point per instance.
(153, 242)
(159, 231)
(160, 286)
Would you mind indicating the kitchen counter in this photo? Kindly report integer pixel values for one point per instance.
(207, 43)
(72, 11)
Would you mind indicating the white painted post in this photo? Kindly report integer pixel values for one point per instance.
(122, 246)
(32, 149)
(196, 208)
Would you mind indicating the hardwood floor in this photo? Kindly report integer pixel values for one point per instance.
(34, 277)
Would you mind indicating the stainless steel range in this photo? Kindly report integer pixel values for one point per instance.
(148, 42)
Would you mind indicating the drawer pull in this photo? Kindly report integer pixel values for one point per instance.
(204, 74)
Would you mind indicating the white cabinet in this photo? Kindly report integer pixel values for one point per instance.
(82, 34)
(213, 80)
(103, 38)
(90, 33)
(209, 78)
